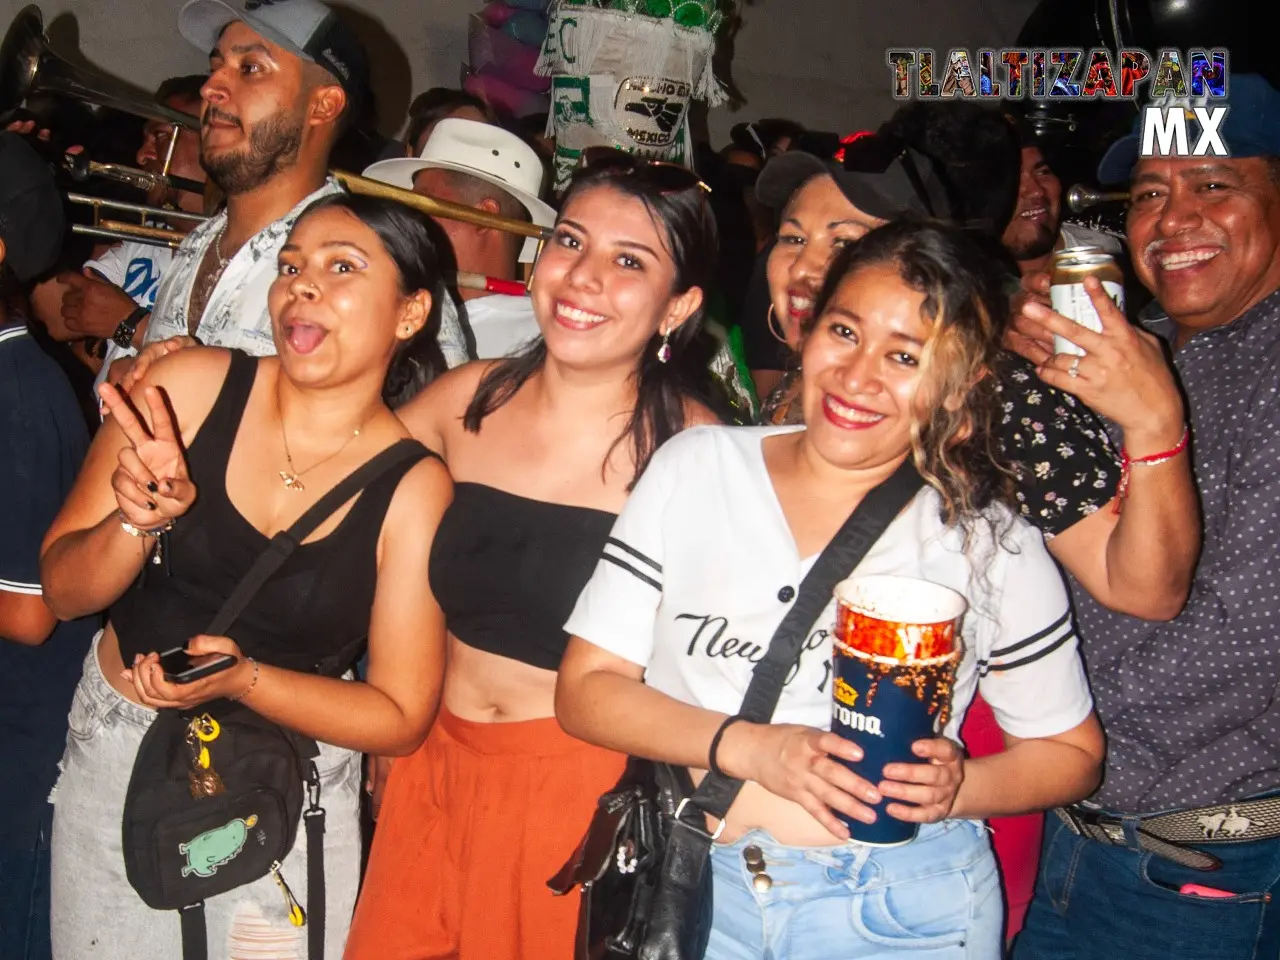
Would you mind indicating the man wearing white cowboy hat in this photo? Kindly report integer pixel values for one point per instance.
(482, 166)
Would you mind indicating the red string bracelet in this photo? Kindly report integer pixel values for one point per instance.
(1127, 461)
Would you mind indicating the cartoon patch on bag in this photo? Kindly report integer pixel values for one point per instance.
(214, 848)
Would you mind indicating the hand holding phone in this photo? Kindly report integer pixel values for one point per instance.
(181, 667)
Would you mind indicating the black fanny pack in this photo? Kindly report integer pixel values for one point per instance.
(217, 792)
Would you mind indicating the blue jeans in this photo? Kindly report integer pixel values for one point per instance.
(1098, 902)
(24, 895)
(935, 898)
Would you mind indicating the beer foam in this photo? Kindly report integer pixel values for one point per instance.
(901, 599)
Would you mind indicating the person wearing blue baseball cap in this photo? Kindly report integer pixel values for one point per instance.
(1178, 852)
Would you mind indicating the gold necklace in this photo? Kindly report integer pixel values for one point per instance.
(291, 478)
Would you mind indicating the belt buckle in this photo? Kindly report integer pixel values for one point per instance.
(1112, 828)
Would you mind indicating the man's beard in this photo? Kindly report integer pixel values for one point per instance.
(1033, 248)
(273, 148)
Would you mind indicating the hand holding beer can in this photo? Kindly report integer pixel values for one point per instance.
(896, 647)
(1071, 299)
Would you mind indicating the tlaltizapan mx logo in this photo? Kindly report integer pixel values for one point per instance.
(1179, 118)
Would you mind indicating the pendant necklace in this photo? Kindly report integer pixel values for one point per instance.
(292, 478)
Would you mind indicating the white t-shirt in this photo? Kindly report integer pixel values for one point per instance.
(701, 568)
(501, 324)
(136, 268)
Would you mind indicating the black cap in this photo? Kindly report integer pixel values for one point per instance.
(31, 214)
(880, 175)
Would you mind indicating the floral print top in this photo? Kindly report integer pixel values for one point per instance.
(1065, 460)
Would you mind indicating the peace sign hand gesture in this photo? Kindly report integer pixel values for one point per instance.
(151, 483)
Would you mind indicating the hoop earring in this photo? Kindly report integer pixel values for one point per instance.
(775, 328)
(664, 351)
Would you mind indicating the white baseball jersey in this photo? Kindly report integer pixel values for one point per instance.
(701, 568)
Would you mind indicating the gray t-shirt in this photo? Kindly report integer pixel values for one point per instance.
(1190, 707)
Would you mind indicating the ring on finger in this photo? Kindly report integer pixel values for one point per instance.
(1073, 371)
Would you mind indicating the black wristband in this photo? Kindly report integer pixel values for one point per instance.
(715, 744)
(123, 335)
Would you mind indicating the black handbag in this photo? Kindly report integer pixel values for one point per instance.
(189, 835)
(643, 865)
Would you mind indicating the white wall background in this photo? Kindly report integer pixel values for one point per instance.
(817, 61)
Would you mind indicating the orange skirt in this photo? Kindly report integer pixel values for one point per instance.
(472, 827)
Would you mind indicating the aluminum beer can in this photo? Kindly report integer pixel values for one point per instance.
(895, 650)
(1069, 297)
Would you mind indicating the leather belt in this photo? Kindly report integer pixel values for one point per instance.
(1172, 835)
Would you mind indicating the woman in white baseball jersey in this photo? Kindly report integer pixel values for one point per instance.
(707, 556)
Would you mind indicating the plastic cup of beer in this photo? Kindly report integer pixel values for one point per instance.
(896, 647)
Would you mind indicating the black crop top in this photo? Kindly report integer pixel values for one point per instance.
(317, 604)
(507, 570)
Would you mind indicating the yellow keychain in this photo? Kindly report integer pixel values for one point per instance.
(296, 915)
(201, 732)
(206, 730)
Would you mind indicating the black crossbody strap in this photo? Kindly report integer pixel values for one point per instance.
(837, 561)
(286, 541)
(195, 939)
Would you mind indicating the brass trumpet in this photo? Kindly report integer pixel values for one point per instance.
(28, 66)
(1081, 198)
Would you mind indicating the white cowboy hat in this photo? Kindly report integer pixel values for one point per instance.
(479, 150)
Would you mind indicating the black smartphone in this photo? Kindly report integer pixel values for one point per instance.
(181, 667)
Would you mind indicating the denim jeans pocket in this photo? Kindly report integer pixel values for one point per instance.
(85, 718)
(1058, 861)
(1208, 928)
(916, 913)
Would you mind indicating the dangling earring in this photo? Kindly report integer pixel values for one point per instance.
(774, 327)
(664, 351)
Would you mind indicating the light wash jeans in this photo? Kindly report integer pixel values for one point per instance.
(935, 898)
(97, 915)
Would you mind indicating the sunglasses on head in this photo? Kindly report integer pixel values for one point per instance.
(668, 177)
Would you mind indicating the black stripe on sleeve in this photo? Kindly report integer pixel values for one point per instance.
(633, 571)
(635, 553)
(993, 668)
(1005, 651)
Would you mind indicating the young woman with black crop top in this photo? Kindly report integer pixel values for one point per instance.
(242, 449)
(543, 449)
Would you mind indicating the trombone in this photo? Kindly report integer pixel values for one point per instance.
(28, 66)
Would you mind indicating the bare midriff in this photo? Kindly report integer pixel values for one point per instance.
(486, 688)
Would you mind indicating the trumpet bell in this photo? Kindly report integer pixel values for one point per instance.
(1081, 198)
(28, 66)
(20, 55)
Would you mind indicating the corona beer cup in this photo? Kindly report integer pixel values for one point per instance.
(896, 646)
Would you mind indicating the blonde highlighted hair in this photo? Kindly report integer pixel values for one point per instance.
(954, 432)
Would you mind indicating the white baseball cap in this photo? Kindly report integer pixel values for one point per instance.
(479, 150)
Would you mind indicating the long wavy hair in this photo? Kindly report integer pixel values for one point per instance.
(663, 390)
(954, 436)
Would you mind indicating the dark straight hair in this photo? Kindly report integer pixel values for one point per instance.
(409, 239)
(663, 390)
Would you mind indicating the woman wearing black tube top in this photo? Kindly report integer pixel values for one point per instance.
(250, 445)
(543, 449)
